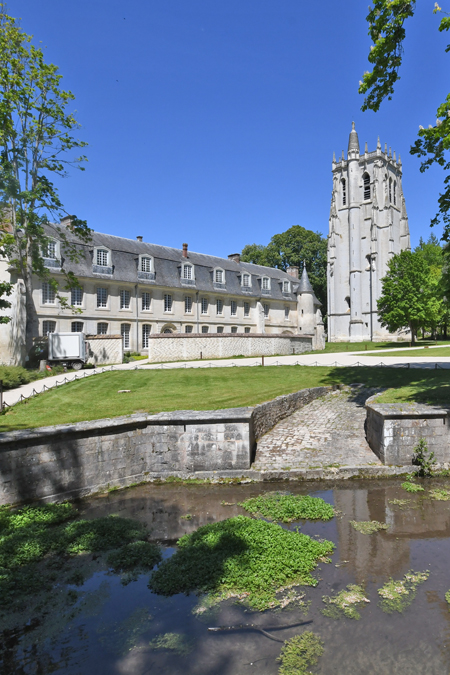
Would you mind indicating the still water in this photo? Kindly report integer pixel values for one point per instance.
(116, 629)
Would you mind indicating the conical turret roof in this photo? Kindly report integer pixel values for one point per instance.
(353, 141)
(305, 286)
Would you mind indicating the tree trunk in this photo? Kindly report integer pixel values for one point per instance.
(413, 341)
(32, 322)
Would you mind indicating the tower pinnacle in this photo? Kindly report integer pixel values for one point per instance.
(353, 141)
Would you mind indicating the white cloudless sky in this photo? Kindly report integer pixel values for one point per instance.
(214, 122)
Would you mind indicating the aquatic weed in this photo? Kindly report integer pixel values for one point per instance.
(121, 637)
(287, 508)
(368, 526)
(412, 487)
(137, 555)
(398, 594)
(173, 642)
(240, 557)
(447, 597)
(299, 653)
(345, 603)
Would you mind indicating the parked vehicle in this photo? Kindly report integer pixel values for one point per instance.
(68, 349)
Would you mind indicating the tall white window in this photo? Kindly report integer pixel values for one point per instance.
(366, 180)
(102, 257)
(102, 297)
(188, 329)
(205, 329)
(265, 283)
(204, 308)
(218, 276)
(77, 327)
(233, 307)
(344, 192)
(286, 313)
(48, 294)
(146, 264)
(167, 302)
(246, 309)
(219, 306)
(266, 311)
(187, 272)
(48, 327)
(50, 250)
(124, 299)
(102, 328)
(77, 297)
(146, 301)
(146, 330)
(125, 332)
(246, 280)
(188, 304)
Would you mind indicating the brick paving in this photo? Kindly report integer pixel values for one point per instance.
(329, 432)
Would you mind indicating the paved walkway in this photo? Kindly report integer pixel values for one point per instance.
(327, 433)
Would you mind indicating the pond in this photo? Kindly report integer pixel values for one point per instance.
(103, 626)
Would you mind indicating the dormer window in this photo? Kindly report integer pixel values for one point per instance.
(50, 253)
(265, 284)
(145, 268)
(102, 261)
(146, 264)
(102, 257)
(50, 250)
(366, 180)
(187, 274)
(218, 276)
(246, 280)
(286, 286)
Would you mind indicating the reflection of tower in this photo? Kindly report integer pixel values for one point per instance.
(369, 557)
(368, 224)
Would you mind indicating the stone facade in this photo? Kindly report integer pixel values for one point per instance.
(136, 289)
(368, 224)
(190, 347)
(69, 461)
(393, 431)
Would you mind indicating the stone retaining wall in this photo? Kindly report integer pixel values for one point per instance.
(73, 460)
(394, 429)
(105, 350)
(182, 347)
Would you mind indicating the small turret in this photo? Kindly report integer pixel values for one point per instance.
(353, 140)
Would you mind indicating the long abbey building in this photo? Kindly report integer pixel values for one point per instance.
(368, 224)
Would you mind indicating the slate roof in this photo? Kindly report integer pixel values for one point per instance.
(167, 266)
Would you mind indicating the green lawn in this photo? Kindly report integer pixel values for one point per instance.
(338, 347)
(206, 389)
(433, 353)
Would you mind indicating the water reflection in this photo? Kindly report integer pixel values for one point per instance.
(114, 629)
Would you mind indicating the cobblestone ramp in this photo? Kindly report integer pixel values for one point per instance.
(329, 432)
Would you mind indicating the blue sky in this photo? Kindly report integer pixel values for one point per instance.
(214, 121)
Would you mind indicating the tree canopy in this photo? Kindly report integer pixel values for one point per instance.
(408, 296)
(36, 140)
(386, 20)
(292, 248)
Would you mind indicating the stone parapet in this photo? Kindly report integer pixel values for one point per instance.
(394, 429)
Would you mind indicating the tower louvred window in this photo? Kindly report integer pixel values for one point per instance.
(344, 192)
(366, 179)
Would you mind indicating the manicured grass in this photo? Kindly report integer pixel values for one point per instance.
(154, 391)
(431, 353)
(338, 347)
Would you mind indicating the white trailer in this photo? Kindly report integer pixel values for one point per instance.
(69, 349)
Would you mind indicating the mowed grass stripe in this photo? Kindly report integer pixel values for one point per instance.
(155, 391)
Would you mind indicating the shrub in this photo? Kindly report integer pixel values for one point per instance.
(15, 376)
(424, 459)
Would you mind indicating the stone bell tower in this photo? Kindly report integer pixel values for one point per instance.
(368, 224)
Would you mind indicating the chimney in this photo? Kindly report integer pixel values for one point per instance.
(139, 238)
(235, 256)
(66, 220)
(185, 250)
(292, 271)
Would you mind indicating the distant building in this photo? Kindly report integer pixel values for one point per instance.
(368, 224)
(138, 289)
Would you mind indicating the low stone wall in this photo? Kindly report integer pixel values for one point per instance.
(188, 347)
(105, 349)
(266, 415)
(394, 429)
(73, 460)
